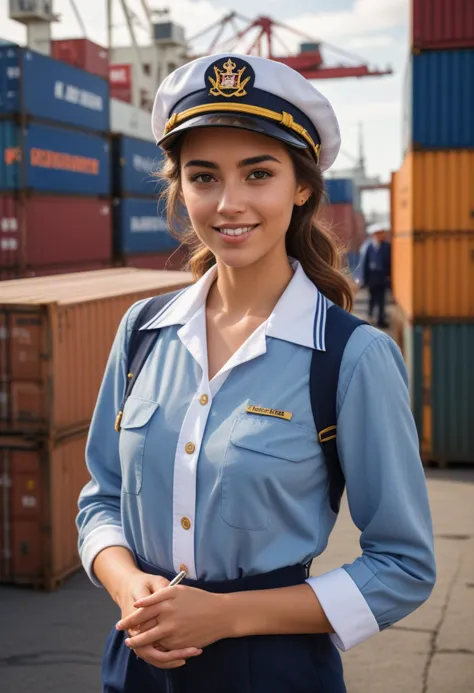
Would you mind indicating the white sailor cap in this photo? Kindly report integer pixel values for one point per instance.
(376, 227)
(268, 96)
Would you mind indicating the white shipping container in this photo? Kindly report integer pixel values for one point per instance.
(126, 119)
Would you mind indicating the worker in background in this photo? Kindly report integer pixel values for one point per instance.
(375, 267)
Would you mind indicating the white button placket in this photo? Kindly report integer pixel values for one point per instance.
(193, 336)
(184, 483)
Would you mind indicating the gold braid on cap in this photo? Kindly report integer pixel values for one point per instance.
(285, 119)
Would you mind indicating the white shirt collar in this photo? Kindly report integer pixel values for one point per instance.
(298, 317)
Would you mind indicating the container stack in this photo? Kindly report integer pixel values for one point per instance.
(55, 206)
(55, 336)
(343, 218)
(433, 228)
(141, 236)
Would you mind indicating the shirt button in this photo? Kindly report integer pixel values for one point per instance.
(190, 448)
(184, 567)
(186, 523)
(204, 400)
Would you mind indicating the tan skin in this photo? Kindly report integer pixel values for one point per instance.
(227, 190)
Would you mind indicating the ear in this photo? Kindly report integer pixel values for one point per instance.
(302, 195)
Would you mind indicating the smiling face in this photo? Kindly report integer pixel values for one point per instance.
(239, 188)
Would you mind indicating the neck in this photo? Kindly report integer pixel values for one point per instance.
(253, 290)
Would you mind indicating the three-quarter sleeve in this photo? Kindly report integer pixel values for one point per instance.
(99, 519)
(388, 502)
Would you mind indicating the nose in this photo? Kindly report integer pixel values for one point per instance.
(231, 200)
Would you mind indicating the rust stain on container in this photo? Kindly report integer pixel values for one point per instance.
(433, 275)
(55, 337)
(434, 191)
(40, 484)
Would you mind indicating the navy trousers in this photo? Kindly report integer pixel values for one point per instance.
(254, 664)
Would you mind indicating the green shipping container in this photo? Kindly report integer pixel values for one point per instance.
(440, 362)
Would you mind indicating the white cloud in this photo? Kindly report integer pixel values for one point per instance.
(370, 41)
(364, 17)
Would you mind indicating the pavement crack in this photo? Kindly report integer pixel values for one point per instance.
(458, 651)
(411, 630)
(48, 657)
(435, 632)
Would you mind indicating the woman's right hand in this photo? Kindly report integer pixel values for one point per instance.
(141, 585)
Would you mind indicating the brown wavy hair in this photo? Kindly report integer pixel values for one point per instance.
(308, 238)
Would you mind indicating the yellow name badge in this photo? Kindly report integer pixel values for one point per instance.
(278, 413)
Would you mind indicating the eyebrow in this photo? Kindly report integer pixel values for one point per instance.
(245, 162)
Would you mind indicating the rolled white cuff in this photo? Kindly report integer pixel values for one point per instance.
(345, 608)
(100, 538)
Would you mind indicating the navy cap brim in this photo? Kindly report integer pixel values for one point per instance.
(227, 120)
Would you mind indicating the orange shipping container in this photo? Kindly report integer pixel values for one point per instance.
(433, 275)
(434, 191)
(55, 336)
(40, 485)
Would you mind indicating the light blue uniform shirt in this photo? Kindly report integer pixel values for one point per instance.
(194, 480)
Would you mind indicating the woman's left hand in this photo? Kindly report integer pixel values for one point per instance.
(184, 617)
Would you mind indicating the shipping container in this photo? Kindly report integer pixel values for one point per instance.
(439, 24)
(140, 227)
(340, 221)
(84, 54)
(439, 100)
(40, 484)
(121, 83)
(49, 89)
(17, 272)
(126, 119)
(134, 162)
(55, 336)
(339, 190)
(55, 160)
(434, 191)
(433, 275)
(442, 381)
(45, 230)
(171, 260)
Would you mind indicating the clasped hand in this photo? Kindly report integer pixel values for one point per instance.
(171, 624)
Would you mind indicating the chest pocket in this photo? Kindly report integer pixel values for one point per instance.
(135, 425)
(266, 460)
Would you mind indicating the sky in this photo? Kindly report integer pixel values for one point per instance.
(377, 31)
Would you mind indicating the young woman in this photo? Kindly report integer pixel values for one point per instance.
(218, 469)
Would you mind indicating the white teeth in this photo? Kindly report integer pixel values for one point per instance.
(236, 232)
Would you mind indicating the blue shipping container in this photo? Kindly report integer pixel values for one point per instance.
(140, 226)
(56, 160)
(339, 190)
(133, 163)
(52, 90)
(439, 100)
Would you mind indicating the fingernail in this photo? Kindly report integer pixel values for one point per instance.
(118, 626)
(127, 642)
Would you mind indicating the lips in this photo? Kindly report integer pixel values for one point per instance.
(235, 231)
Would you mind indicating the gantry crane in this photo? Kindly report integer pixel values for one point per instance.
(263, 35)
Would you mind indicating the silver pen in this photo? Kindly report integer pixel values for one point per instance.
(179, 578)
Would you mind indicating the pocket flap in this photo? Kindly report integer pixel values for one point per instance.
(274, 437)
(137, 412)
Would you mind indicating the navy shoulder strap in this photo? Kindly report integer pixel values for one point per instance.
(323, 383)
(141, 343)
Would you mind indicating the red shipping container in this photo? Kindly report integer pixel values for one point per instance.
(49, 230)
(50, 270)
(84, 54)
(442, 24)
(120, 76)
(120, 82)
(157, 261)
(121, 94)
(340, 220)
